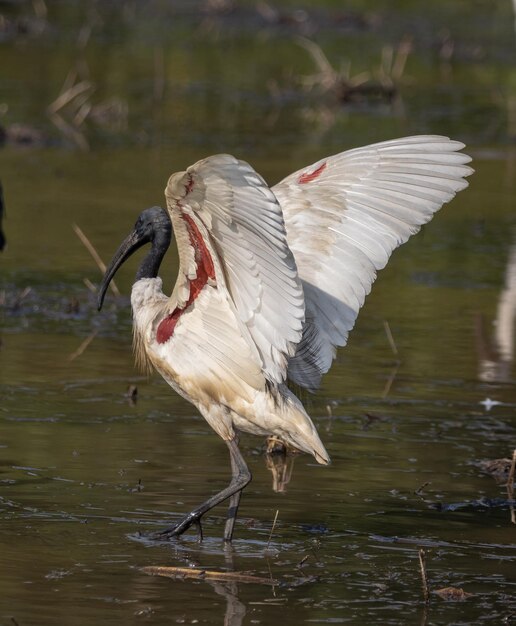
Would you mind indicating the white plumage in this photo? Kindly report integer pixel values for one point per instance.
(343, 226)
(271, 280)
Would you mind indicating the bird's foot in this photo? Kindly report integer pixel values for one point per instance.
(192, 519)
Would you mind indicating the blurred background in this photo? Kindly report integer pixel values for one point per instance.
(99, 102)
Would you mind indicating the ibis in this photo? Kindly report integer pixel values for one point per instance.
(271, 280)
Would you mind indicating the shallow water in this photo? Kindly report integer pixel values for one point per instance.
(84, 471)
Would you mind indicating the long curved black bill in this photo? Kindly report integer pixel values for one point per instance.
(130, 244)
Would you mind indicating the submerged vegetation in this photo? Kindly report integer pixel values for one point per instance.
(140, 73)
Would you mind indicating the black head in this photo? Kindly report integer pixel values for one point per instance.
(152, 226)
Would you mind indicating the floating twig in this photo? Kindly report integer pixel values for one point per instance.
(96, 257)
(204, 574)
(419, 490)
(303, 561)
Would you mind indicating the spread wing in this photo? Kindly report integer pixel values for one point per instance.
(344, 216)
(241, 223)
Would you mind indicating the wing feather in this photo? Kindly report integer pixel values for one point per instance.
(344, 216)
(244, 230)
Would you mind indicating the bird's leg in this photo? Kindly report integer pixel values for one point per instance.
(237, 465)
(241, 476)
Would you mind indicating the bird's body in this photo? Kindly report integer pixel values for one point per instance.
(201, 370)
(271, 280)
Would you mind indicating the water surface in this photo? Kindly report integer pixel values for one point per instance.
(83, 469)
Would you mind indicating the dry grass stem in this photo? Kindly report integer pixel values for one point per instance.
(70, 131)
(390, 338)
(390, 380)
(83, 346)
(328, 76)
(67, 96)
(272, 529)
(381, 83)
(69, 80)
(424, 578)
(203, 574)
(272, 581)
(400, 61)
(89, 285)
(96, 257)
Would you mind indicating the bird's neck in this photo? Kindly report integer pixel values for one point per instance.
(151, 263)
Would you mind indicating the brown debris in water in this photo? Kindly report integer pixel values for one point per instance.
(453, 594)
(497, 468)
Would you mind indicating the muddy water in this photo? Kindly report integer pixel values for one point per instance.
(84, 470)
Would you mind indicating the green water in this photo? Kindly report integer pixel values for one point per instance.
(83, 470)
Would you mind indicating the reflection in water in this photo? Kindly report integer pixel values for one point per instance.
(149, 590)
(280, 463)
(495, 359)
(235, 609)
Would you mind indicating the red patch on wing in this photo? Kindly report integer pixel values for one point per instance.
(166, 326)
(205, 270)
(189, 184)
(202, 256)
(308, 177)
